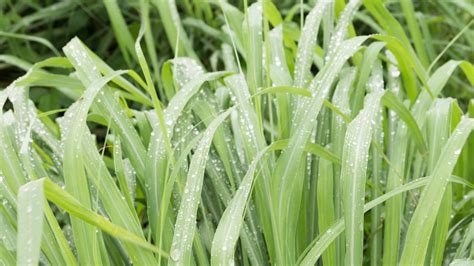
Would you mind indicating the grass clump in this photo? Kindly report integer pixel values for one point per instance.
(237, 133)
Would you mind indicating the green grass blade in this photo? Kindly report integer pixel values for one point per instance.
(252, 29)
(15, 61)
(370, 55)
(75, 176)
(30, 223)
(287, 189)
(325, 201)
(229, 228)
(319, 245)
(65, 200)
(391, 101)
(177, 37)
(353, 176)
(40, 40)
(307, 43)
(107, 106)
(424, 217)
(186, 220)
(409, 13)
(393, 207)
(119, 26)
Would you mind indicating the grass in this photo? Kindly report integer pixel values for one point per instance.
(236, 132)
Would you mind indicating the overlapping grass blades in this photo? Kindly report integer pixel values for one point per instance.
(250, 134)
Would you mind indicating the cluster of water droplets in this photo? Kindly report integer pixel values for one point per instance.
(307, 43)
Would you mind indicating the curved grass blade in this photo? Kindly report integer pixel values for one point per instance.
(229, 227)
(252, 29)
(230, 224)
(370, 56)
(66, 201)
(15, 61)
(107, 106)
(391, 101)
(307, 43)
(157, 162)
(423, 219)
(353, 175)
(320, 244)
(40, 40)
(287, 189)
(75, 178)
(186, 221)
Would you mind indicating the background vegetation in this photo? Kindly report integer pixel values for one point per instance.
(236, 132)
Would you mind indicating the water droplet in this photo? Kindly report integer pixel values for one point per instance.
(176, 254)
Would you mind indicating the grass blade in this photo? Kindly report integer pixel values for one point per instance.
(353, 175)
(424, 217)
(186, 220)
(30, 223)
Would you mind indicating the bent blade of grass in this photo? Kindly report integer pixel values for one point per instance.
(156, 163)
(230, 224)
(30, 223)
(286, 188)
(370, 55)
(393, 102)
(40, 40)
(386, 20)
(151, 87)
(436, 82)
(15, 61)
(340, 32)
(88, 71)
(66, 201)
(409, 64)
(113, 202)
(186, 220)
(423, 219)
(75, 177)
(353, 175)
(311, 255)
(227, 232)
